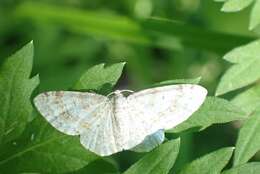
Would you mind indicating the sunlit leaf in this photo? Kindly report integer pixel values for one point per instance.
(160, 160)
(255, 15)
(245, 68)
(248, 168)
(235, 5)
(99, 77)
(248, 142)
(211, 163)
(249, 100)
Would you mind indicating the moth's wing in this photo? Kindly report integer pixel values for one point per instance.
(165, 107)
(64, 109)
(150, 142)
(99, 133)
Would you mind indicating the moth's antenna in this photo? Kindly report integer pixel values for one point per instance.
(127, 90)
(111, 93)
(119, 91)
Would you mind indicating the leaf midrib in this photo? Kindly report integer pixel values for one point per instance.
(10, 92)
(162, 159)
(219, 161)
(248, 139)
(30, 149)
(221, 90)
(157, 162)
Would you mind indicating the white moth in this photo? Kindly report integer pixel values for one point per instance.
(109, 124)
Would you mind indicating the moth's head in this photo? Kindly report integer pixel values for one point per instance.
(120, 93)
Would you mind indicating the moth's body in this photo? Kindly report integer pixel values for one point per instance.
(109, 124)
(120, 119)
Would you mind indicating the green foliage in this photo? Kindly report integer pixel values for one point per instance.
(100, 77)
(248, 139)
(249, 168)
(244, 70)
(16, 87)
(159, 40)
(154, 32)
(99, 166)
(214, 110)
(160, 160)
(111, 26)
(237, 5)
(249, 99)
(40, 146)
(211, 163)
(255, 19)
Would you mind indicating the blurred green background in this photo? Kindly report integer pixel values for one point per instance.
(159, 40)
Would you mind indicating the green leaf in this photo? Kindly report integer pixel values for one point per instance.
(211, 163)
(43, 149)
(249, 100)
(248, 142)
(255, 16)
(214, 110)
(235, 5)
(99, 77)
(248, 168)
(245, 69)
(16, 87)
(41, 145)
(178, 81)
(100, 166)
(160, 160)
